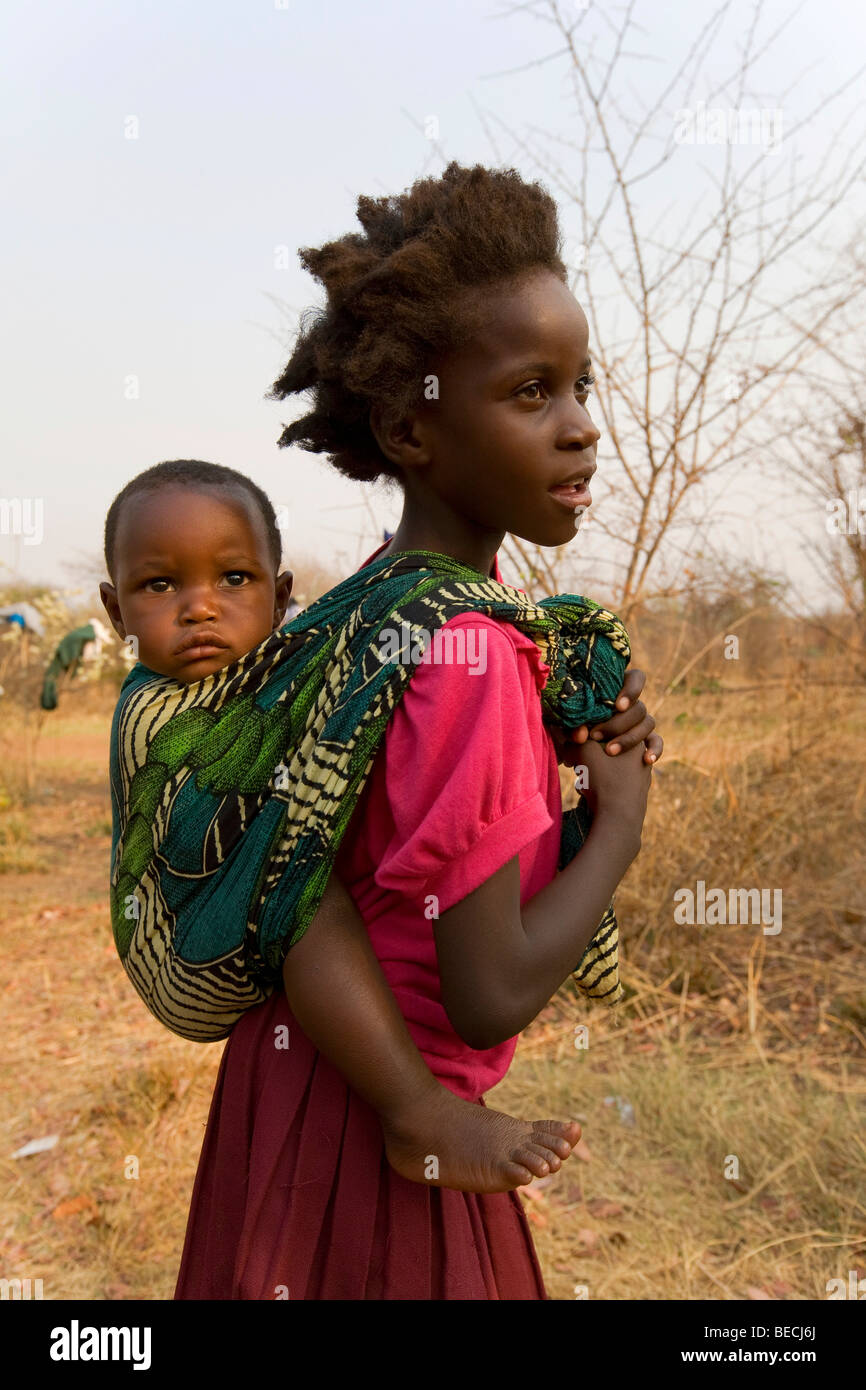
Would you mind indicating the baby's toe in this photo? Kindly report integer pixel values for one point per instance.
(533, 1158)
(518, 1173)
(551, 1138)
(540, 1158)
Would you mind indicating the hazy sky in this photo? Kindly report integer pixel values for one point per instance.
(258, 125)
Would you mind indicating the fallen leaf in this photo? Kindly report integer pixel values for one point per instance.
(74, 1205)
(758, 1295)
(36, 1146)
(588, 1238)
(602, 1208)
(536, 1217)
(569, 1191)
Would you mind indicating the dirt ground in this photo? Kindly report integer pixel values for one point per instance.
(723, 1107)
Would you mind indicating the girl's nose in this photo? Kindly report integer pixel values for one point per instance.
(578, 429)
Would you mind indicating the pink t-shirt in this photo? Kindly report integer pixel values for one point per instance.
(467, 779)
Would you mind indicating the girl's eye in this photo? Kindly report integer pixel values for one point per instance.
(533, 390)
(237, 574)
(150, 582)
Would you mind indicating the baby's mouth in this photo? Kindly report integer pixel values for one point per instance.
(203, 651)
(200, 644)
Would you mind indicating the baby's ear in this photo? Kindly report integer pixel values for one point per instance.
(108, 594)
(282, 594)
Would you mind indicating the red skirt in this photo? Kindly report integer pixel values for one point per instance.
(294, 1197)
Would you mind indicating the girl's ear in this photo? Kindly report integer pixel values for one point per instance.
(402, 439)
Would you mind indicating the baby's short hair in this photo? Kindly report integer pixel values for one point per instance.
(192, 473)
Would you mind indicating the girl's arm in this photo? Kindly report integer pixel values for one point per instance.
(499, 963)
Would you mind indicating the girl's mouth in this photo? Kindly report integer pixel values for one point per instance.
(572, 495)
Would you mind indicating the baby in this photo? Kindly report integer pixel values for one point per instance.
(194, 553)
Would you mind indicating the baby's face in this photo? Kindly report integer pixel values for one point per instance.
(194, 579)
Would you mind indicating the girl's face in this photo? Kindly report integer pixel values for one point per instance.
(509, 444)
(193, 566)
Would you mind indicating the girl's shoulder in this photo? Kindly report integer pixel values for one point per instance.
(493, 644)
(464, 782)
(477, 687)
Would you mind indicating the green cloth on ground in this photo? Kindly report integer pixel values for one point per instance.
(66, 655)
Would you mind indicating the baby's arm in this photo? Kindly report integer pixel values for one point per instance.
(342, 1001)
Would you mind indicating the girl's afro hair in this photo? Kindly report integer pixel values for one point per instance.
(397, 298)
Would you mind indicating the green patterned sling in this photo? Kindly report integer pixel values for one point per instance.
(231, 794)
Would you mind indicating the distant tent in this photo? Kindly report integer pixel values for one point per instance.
(24, 616)
(104, 638)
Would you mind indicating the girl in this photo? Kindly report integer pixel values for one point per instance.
(452, 358)
(194, 553)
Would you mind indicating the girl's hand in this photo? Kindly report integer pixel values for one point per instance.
(624, 730)
(619, 788)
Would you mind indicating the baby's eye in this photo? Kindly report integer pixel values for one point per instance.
(237, 574)
(150, 582)
(583, 385)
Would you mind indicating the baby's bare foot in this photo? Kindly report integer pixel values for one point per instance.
(449, 1142)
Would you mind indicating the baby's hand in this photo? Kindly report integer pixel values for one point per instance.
(624, 730)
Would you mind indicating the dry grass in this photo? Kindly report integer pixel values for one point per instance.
(730, 1043)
